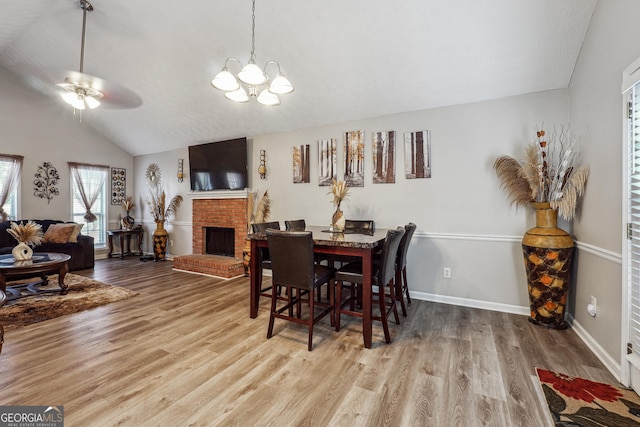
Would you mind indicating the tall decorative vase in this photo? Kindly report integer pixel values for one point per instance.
(159, 241)
(338, 220)
(548, 254)
(22, 252)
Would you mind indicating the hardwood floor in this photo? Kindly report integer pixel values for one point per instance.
(184, 352)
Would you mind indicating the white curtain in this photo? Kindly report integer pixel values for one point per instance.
(89, 180)
(10, 181)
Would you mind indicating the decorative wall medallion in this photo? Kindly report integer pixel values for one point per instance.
(118, 185)
(45, 183)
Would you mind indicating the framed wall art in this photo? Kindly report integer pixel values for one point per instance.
(384, 157)
(301, 164)
(354, 158)
(327, 161)
(417, 154)
(118, 185)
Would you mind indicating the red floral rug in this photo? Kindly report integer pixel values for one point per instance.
(578, 402)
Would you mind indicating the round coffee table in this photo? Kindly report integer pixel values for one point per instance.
(42, 263)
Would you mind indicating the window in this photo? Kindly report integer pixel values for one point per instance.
(89, 204)
(10, 167)
(631, 209)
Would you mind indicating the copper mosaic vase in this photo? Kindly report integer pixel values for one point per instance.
(548, 254)
(160, 237)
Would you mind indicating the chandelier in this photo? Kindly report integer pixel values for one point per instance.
(78, 91)
(253, 81)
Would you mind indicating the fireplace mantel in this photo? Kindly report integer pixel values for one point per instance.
(219, 194)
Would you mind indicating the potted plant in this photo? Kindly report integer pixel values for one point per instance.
(550, 180)
(27, 234)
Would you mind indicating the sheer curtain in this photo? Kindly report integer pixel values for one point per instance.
(10, 181)
(89, 180)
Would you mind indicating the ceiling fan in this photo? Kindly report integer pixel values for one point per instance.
(84, 91)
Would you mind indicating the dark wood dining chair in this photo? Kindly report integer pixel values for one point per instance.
(402, 287)
(359, 225)
(295, 225)
(265, 258)
(383, 277)
(293, 267)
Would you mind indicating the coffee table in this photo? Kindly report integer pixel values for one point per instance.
(42, 263)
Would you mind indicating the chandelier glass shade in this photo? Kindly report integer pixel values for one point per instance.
(252, 81)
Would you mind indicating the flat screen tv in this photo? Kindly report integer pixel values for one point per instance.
(219, 165)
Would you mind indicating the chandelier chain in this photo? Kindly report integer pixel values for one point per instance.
(253, 32)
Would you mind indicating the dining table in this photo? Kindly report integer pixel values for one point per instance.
(354, 243)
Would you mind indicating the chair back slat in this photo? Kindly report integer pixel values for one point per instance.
(409, 229)
(359, 224)
(292, 261)
(295, 225)
(263, 226)
(387, 269)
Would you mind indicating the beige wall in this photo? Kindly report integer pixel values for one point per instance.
(595, 105)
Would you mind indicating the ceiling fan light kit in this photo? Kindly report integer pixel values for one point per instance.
(253, 81)
(77, 93)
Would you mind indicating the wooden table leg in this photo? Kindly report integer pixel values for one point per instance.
(110, 239)
(64, 288)
(366, 298)
(121, 246)
(254, 282)
(3, 298)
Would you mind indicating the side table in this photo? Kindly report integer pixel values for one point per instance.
(125, 235)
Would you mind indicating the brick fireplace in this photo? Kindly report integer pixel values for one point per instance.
(224, 210)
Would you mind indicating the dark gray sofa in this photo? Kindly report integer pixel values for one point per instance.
(82, 253)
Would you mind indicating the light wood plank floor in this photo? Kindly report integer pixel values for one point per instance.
(184, 352)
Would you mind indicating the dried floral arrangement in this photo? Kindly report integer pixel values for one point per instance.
(29, 232)
(158, 207)
(128, 204)
(157, 201)
(340, 192)
(549, 173)
(258, 207)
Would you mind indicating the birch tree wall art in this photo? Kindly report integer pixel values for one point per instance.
(301, 164)
(417, 154)
(327, 161)
(354, 158)
(384, 160)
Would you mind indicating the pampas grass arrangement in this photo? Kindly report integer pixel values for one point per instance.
(258, 207)
(547, 174)
(340, 192)
(29, 232)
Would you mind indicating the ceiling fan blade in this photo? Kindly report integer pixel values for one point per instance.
(114, 95)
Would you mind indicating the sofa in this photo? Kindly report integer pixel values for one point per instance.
(79, 247)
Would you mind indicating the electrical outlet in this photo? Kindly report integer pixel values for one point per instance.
(446, 273)
(593, 302)
(171, 242)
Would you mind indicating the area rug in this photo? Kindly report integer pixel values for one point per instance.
(579, 402)
(84, 293)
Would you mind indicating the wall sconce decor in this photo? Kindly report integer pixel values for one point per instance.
(180, 170)
(262, 169)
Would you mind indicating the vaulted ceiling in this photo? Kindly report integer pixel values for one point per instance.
(348, 59)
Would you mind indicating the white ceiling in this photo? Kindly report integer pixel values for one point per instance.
(348, 59)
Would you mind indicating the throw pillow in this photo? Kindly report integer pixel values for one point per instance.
(59, 233)
(76, 231)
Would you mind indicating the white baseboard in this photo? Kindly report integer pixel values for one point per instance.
(473, 303)
(611, 364)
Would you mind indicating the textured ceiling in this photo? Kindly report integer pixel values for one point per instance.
(348, 60)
